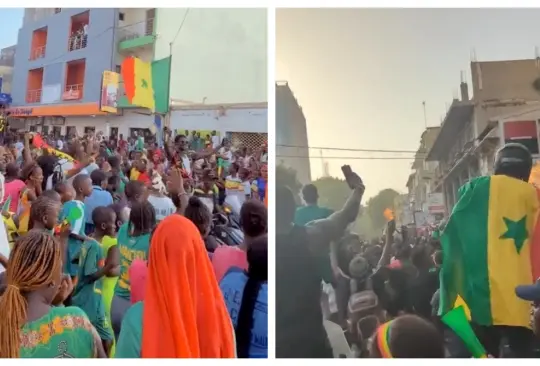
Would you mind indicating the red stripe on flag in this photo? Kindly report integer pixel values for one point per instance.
(519, 129)
(128, 75)
(535, 246)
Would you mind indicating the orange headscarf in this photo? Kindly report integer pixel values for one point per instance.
(184, 312)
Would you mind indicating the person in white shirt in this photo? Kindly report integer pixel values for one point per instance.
(59, 144)
(215, 140)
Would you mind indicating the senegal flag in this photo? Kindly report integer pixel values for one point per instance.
(138, 85)
(490, 246)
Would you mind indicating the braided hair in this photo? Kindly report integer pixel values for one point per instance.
(40, 209)
(257, 256)
(142, 218)
(35, 262)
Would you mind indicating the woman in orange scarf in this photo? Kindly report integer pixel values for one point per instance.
(183, 314)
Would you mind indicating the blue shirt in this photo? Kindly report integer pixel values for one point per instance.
(99, 197)
(232, 286)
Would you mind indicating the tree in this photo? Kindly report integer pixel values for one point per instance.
(286, 176)
(376, 206)
(333, 192)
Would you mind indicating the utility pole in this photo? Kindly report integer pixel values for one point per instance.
(425, 116)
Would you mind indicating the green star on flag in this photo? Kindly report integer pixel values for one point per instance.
(144, 84)
(516, 230)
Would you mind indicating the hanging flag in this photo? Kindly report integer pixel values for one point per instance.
(491, 245)
(138, 85)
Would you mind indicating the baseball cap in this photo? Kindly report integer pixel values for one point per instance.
(529, 292)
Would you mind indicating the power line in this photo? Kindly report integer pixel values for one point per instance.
(180, 27)
(348, 157)
(349, 149)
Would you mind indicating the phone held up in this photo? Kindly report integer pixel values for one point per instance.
(349, 175)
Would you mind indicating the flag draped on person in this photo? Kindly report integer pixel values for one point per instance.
(491, 244)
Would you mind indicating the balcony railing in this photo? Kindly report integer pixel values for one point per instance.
(33, 96)
(77, 42)
(38, 52)
(73, 92)
(136, 30)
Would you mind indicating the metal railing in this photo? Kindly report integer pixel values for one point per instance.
(37, 52)
(73, 92)
(77, 42)
(33, 96)
(136, 30)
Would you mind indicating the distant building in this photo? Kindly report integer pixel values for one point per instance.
(7, 60)
(291, 133)
(505, 107)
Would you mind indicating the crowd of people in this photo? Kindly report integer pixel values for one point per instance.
(129, 249)
(390, 297)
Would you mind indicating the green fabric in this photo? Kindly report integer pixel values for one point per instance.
(130, 248)
(471, 211)
(161, 70)
(65, 332)
(306, 214)
(130, 341)
(87, 293)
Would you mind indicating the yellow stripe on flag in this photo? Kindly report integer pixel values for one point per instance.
(460, 302)
(144, 90)
(513, 207)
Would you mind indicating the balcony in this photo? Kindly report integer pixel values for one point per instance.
(136, 35)
(77, 42)
(37, 53)
(33, 96)
(73, 92)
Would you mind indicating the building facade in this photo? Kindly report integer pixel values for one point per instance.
(7, 61)
(219, 56)
(60, 58)
(291, 133)
(504, 107)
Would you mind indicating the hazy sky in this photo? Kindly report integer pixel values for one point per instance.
(10, 22)
(361, 75)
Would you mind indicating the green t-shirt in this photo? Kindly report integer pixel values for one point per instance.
(306, 214)
(88, 293)
(65, 332)
(130, 339)
(130, 248)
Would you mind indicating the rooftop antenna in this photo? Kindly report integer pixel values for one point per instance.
(462, 76)
(425, 115)
(473, 55)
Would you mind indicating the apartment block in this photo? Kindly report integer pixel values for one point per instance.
(60, 58)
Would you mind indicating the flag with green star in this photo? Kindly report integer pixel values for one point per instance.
(491, 244)
(137, 76)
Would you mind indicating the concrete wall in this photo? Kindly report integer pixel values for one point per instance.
(123, 123)
(502, 81)
(219, 56)
(236, 120)
(291, 129)
(98, 53)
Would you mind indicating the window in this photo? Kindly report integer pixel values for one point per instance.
(57, 10)
(71, 131)
(88, 129)
(33, 128)
(57, 131)
(118, 69)
(121, 17)
(45, 130)
(114, 132)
